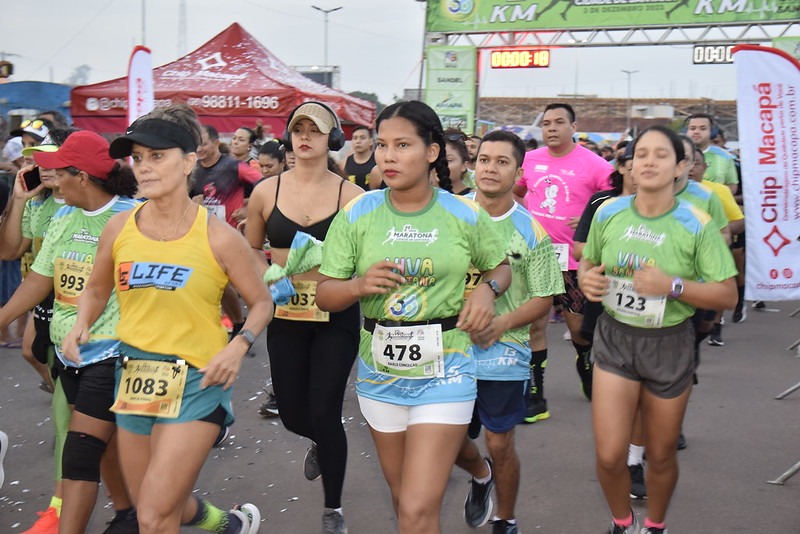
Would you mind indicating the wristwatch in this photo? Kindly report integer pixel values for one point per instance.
(495, 287)
(249, 336)
(677, 289)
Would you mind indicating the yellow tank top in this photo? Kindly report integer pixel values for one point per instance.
(169, 292)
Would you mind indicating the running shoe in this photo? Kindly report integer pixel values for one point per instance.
(653, 530)
(311, 463)
(3, 449)
(715, 337)
(478, 505)
(333, 523)
(224, 432)
(567, 336)
(250, 517)
(759, 305)
(46, 524)
(536, 409)
(681, 442)
(740, 313)
(123, 523)
(585, 371)
(501, 526)
(633, 529)
(269, 408)
(638, 489)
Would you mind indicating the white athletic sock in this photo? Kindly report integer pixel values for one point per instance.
(635, 454)
(509, 521)
(487, 478)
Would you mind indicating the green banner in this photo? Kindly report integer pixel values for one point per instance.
(450, 87)
(790, 45)
(458, 16)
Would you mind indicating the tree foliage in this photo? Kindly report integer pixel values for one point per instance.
(372, 97)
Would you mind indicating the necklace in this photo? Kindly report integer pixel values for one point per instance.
(163, 238)
(303, 204)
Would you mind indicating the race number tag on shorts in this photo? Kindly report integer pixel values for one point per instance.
(70, 277)
(413, 352)
(26, 262)
(562, 255)
(151, 388)
(631, 308)
(472, 281)
(303, 305)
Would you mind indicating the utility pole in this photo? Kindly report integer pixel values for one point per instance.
(182, 28)
(629, 73)
(144, 25)
(326, 12)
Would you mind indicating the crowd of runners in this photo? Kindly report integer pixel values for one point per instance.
(444, 259)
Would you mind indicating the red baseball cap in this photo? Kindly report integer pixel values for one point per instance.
(84, 150)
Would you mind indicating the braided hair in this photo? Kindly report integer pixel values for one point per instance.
(428, 127)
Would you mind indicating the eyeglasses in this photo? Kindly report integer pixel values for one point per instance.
(36, 124)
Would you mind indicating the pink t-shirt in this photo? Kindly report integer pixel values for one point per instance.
(560, 188)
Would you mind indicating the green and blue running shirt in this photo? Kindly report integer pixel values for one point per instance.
(36, 217)
(433, 248)
(534, 273)
(721, 166)
(67, 256)
(703, 197)
(682, 243)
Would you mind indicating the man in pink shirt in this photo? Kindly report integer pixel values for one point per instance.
(557, 183)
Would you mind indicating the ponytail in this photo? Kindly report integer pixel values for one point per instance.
(441, 166)
(120, 181)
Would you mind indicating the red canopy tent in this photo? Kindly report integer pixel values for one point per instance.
(231, 81)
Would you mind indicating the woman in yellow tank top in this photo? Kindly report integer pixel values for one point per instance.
(169, 263)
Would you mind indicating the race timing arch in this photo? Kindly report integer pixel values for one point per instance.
(524, 34)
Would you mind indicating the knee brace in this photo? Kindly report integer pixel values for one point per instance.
(81, 457)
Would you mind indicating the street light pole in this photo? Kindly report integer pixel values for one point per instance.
(326, 11)
(629, 73)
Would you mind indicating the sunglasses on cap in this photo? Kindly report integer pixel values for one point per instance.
(36, 124)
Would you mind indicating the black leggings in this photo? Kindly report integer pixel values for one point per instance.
(310, 365)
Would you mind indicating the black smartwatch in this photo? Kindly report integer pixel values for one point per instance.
(249, 336)
(495, 287)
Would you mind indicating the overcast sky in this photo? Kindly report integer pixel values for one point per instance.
(377, 44)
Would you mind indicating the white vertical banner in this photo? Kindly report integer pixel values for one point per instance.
(768, 82)
(140, 83)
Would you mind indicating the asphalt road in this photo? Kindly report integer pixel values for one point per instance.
(739, 437)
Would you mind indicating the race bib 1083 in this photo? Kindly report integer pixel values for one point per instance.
(153, 388)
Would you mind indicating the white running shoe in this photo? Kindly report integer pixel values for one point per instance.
(250, 517)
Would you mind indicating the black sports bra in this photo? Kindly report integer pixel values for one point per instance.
(281, 229)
